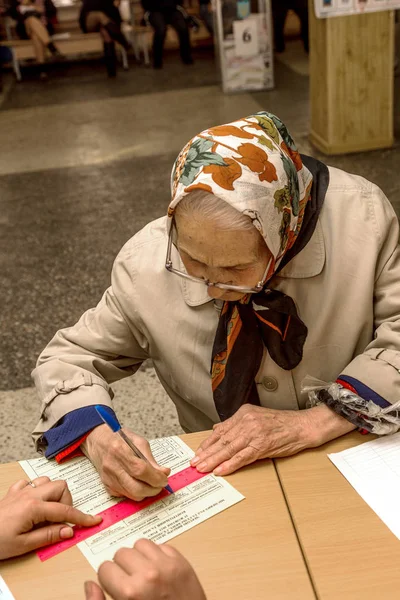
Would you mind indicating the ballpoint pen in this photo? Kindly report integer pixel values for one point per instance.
(116, 427)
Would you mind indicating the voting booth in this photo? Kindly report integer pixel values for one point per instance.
(244, 42)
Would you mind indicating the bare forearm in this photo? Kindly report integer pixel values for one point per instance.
(324, 424)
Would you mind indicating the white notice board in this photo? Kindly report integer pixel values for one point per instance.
(243, 35)
(337, 8)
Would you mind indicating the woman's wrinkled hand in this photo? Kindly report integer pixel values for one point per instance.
(146, 572)
(252, 433)
(121, 472)
(33, 517)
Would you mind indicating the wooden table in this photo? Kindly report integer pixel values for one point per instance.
(349, 551)
(248, 552)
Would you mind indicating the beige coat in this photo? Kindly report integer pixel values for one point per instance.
(345, 283)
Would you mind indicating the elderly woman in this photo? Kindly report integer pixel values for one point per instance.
(269, 267)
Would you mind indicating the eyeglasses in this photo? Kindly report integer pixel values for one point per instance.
(222, 286)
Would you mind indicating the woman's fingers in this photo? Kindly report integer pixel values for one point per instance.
(226, 447)
(40, 481)
(122, 472)
(44, 536)
(22, 484)
(19, 485)
(131, 560)
(93, 591)
(115, 581)
(54, 512)
(220, 452)
(208, 442)
(133, 488)
(122, 458)
(219, 430)
(53, 491)
(241, 459)
(146, 473)
(144, 447)
(149, 549)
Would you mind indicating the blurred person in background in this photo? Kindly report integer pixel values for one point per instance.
(160, 13)
(206, 15)
(280, 9)
(34, 20)
(104, 16)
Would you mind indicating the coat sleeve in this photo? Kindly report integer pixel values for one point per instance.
(375, 374)
(77, 367)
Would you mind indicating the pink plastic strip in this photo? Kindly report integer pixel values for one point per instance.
(120, 511)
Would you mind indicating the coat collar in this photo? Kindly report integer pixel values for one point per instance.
(308, 263)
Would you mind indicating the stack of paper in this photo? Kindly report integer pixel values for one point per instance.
(373, 469)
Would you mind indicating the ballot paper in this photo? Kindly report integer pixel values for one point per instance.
(5, 593)
(373, 469)
(159, 522)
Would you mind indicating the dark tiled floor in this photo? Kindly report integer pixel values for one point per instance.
(61, 230)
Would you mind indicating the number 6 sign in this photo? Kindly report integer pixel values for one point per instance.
(245, 34)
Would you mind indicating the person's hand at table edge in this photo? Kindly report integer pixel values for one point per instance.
(254, 432)
(146, 572)
(33, 516)
(121, 471)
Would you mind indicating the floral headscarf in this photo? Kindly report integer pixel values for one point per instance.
(253, 165)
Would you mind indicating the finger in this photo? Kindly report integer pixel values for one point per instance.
(18, 486)
(54, 512)
(53, 491)
(66, 497)
(40, 481)
(208, 443)
(93, 591)
(241, 459)
(148, 474)
(224, 450)
(115, 581)
(219, 430)
(44, 536)
(134, 489)
(149, 549)
(145, 448)
(171, 552)
(131, 561)
(137, 468)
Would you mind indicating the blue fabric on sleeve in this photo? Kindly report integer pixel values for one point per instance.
(72, 427)
(364, 391)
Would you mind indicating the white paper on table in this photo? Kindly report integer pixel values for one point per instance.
(373, 469)
(87, 490)
(245, 34)
(5, 593)
(159, 522)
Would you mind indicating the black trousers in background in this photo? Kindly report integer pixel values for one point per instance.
(159, 22)
(279, 11)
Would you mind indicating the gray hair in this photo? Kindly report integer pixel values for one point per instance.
(205, 205)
